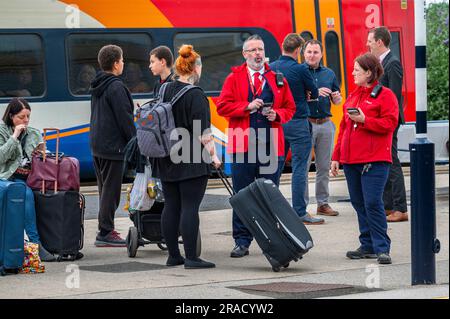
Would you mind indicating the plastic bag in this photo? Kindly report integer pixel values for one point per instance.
(139, 198)
(32, 262)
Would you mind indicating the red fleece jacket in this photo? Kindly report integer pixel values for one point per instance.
(233, 102)
(370, 141)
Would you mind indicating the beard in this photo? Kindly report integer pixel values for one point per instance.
(255, 63)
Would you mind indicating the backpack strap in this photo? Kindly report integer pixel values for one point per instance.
(182, 92)
(162, 90)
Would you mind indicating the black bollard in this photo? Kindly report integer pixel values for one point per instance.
(424, 244)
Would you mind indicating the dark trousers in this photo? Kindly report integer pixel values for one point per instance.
(366, 196)
(109, 181)
(394, 196)
(181, 205)
(243, 174)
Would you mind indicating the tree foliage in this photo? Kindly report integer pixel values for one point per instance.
(437, 61)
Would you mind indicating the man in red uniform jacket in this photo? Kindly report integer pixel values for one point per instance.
(255, 106)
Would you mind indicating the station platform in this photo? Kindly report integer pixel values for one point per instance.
(324, 272)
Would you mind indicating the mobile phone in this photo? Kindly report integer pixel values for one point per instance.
(352, 110)
(266, 108)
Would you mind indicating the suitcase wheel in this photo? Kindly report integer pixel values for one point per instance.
(4, 272)
(132, 242)
(276, 269)
(286, 266)
(162, 246)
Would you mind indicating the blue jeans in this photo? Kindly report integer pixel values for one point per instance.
(297, 136)
(243, 174)
(30, 214)
(366, 195)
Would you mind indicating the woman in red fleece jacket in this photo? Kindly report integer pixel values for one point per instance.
(364, 149)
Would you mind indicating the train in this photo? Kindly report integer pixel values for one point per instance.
(48, 51)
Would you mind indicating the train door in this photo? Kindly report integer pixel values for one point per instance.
(398, 16)
(359, 17)
(322, 20)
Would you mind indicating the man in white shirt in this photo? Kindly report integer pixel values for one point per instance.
(253, 101)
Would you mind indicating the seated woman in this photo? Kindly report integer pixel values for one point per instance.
(18, 141)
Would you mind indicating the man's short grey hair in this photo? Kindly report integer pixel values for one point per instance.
(251, 38)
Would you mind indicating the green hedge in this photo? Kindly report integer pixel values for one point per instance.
(437, 61)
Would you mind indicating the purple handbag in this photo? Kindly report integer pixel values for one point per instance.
(54, 171)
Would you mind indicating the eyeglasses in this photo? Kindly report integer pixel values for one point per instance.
(255, 50)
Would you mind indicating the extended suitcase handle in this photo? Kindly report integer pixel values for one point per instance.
(226, 182)
(44, 156)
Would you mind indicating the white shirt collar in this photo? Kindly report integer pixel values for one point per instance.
(252, 72)
(384, 55)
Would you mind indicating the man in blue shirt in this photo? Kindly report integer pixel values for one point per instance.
(323, 128)
(297, 132)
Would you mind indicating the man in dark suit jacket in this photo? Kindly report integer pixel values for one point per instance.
(378, 41)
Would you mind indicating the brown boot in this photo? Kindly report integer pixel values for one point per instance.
(397, 216)
(326, 210)
(388, 211)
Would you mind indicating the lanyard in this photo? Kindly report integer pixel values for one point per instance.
(252, 86)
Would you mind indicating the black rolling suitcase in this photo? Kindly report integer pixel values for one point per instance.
(272, 221)
(59, 214)
(60, 223)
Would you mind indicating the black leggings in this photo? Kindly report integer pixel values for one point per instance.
(181, 204)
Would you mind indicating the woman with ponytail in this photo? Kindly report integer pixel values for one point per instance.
(184, 174)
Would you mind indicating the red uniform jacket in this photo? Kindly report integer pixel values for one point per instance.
(233, 101)
(370, 141)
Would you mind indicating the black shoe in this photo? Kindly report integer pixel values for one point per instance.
(384, 259)
(359, 253)
(174, 261)
(239, 251)
(197, 264)
(44, 255)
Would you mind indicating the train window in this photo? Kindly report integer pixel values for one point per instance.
(306, 35)
(219, 51)
(333, 54)
(82, 51)
(21, 65)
